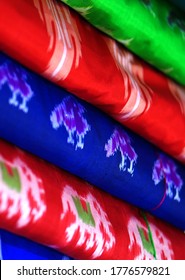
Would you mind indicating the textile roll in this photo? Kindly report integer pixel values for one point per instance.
(67, 50)
(153, 30)
(45, 204)
(46, 120)
(14, 247)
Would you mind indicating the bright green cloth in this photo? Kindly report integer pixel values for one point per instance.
(151, 29)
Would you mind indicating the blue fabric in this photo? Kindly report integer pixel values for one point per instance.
(13, 247)
(49, 122)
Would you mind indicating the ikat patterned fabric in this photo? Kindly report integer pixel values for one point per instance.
(152, 29)
(46, 120)
(65, 49)
(52, 207)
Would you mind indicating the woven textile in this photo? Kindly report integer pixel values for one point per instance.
(45, 204)
(14, 247)
(148, 28)
(51, 123)
(67, 50)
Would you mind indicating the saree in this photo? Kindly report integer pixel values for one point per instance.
(152, 29)
(68, 51)
(52, 207)
(47, 121)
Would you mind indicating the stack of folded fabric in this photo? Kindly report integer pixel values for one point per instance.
(88, 217)
(146, 27)
(47, 205)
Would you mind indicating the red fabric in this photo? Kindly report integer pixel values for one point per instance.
(50, 206)
(56, 42)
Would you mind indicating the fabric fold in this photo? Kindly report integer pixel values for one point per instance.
(51, 123)
(153, 30)
(67, 50)
(52, 207)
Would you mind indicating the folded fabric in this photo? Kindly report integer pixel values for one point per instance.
(67, 50)
(14, 247)
(52, 207)
(146, 27)
(181, 5)
(51, 123)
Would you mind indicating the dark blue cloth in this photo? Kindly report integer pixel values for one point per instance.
(13, 247)
(49, 122)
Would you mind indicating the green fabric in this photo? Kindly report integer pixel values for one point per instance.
(146, 27)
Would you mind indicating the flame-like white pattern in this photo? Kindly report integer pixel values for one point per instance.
(179, 94)
(28, 204)
(100, 237)
(162, 245)
(136, 93)
(65, 42)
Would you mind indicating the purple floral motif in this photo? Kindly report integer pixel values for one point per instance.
(69, 113)
(165, 169)
(121, 141)
(16, 79)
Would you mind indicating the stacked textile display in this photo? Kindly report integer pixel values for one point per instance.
(45, 204)
(147, 28)
(51, 123)
(70, 52)
(73, 217)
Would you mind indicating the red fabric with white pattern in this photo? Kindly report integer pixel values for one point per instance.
(52, 207)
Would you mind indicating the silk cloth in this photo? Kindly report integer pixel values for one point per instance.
(51, 123)
(50, 206)
(146, 27)
(65, 49)
(14, 247)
